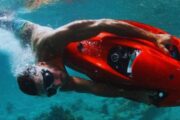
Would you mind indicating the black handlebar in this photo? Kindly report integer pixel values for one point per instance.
(173, 50)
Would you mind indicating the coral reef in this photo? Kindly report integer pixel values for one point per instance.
(104, 109)
(57, 113)
(78, 104)
(124, 109)
(9, 108)
(21, 118)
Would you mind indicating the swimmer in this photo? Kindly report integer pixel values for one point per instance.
(48, 75)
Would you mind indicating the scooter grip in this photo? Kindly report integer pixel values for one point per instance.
(174, 47)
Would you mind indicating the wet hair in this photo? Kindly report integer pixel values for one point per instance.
(25, 81)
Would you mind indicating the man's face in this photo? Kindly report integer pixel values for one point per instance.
(47, 79)
(42, 78)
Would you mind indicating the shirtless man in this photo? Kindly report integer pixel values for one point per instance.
(49, 75)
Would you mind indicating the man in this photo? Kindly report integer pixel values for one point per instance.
(48, 44)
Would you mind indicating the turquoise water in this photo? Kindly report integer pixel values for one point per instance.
(14, 105)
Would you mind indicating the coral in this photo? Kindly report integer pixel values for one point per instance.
(104, 109)
(134, 110)
(77, 105)
(57, 113)
(21, 118)
(151, 113)
(9, 108)
(80, 118)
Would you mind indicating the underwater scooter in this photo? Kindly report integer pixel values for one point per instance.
(130, 63)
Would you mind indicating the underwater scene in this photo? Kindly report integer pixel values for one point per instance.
(15, 105)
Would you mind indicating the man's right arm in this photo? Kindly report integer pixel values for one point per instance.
(100, 89)
(88, 86)
(84, 29)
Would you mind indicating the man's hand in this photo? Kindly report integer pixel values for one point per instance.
(162, 40)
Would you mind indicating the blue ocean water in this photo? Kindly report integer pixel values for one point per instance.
(14, 105)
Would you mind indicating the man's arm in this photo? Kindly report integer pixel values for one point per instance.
(88, 86)
(34, 34)
(104, 90)
(80, 30)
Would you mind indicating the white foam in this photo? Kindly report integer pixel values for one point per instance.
(19, 56)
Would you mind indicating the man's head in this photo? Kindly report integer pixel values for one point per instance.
(37, 80)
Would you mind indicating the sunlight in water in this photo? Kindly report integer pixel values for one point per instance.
(33, 4)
